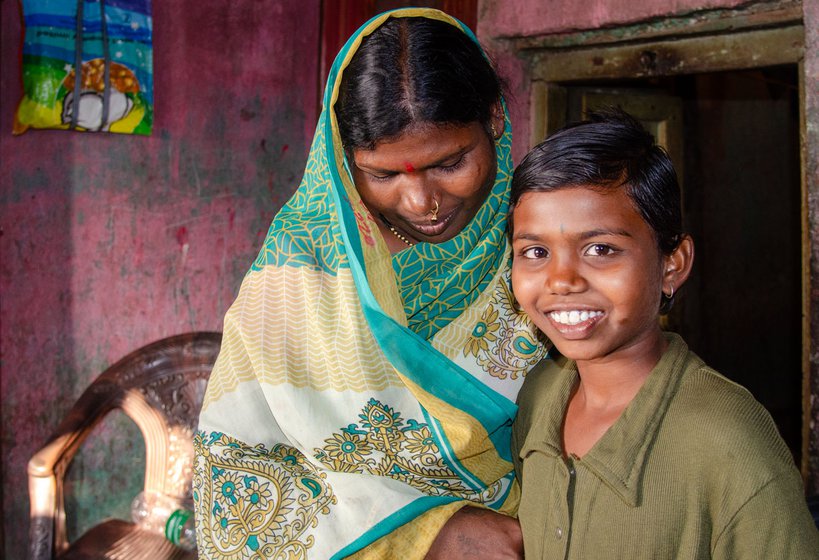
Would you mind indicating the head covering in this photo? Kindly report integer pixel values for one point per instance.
(358, 390)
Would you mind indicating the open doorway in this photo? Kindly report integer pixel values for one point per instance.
(734, 137)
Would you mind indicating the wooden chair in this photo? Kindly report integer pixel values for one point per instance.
(160, 387)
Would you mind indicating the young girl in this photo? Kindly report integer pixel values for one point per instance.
(626, 444)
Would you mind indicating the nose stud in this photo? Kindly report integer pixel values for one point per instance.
(435, 211)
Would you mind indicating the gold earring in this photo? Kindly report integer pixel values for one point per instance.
(435, 211)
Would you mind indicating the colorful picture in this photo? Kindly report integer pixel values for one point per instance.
(110, 42)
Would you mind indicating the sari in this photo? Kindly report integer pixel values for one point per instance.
(360, 398)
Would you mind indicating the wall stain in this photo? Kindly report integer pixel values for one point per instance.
(93, 225)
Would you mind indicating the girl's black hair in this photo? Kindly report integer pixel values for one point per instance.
(609, 150)
(409, 71)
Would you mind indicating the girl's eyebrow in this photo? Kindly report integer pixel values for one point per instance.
(525, 236)
(583, 236)
(601, 232)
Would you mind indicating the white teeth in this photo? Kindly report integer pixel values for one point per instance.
(573, 317)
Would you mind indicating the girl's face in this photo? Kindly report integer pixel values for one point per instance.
(429, 182)
(588, 271)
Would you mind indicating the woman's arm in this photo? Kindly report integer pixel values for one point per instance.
(474, 532)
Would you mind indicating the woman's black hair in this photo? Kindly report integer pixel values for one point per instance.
(414, 70)
(609, 150)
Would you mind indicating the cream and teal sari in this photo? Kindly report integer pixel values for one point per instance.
(360, 398)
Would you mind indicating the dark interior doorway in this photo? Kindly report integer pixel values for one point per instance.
(738, 153)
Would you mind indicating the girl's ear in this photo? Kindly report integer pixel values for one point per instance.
(678, 265)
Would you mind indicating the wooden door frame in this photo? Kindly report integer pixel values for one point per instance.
(758, 35)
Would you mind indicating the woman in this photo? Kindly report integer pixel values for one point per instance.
(366, 384)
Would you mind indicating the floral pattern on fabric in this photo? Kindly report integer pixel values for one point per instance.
(383, 443)
(499, 350)
(327, 322)
(264, 502)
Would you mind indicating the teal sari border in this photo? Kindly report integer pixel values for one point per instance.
(419, 361)
(498, 502)
(407, 514)
(449, 457)
(392, 522)
(409, 353)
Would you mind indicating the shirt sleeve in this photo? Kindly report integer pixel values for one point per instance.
(772, 525)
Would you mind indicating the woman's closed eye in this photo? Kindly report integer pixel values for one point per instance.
(382, 177)
(454, 166)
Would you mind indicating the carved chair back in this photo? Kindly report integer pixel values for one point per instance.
(160, 387)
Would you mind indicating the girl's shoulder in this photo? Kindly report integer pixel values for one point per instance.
(707, 394)
(721, 422)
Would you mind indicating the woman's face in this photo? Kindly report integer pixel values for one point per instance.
(404, 180)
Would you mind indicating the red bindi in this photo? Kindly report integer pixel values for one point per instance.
(409, 167)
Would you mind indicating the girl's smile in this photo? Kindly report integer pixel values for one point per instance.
(575, 324)
(589, 272)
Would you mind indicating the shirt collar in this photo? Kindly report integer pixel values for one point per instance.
(619, 457)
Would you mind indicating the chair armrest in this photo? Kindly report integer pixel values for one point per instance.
(47, 520)
(47, 467)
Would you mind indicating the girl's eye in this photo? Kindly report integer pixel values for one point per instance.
(600, 250)
(453, 166)
(534, 253)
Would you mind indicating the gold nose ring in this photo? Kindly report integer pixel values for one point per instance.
(435, 211)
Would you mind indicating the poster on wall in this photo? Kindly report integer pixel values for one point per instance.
(87, 65)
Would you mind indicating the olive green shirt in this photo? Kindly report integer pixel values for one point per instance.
(694, 468)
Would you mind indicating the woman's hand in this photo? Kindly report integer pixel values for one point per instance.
(478, 533)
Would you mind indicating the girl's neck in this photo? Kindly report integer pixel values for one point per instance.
(612, 381)
(607, 385)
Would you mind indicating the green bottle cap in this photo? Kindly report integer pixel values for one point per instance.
(177, 520)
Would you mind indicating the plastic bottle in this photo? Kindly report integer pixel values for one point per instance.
(165, 515)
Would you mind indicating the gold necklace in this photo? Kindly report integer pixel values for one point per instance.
(395, 231)
(399, 236)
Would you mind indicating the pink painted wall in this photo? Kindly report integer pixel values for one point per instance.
(109, 242)
(524, 18)
(499, 20)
